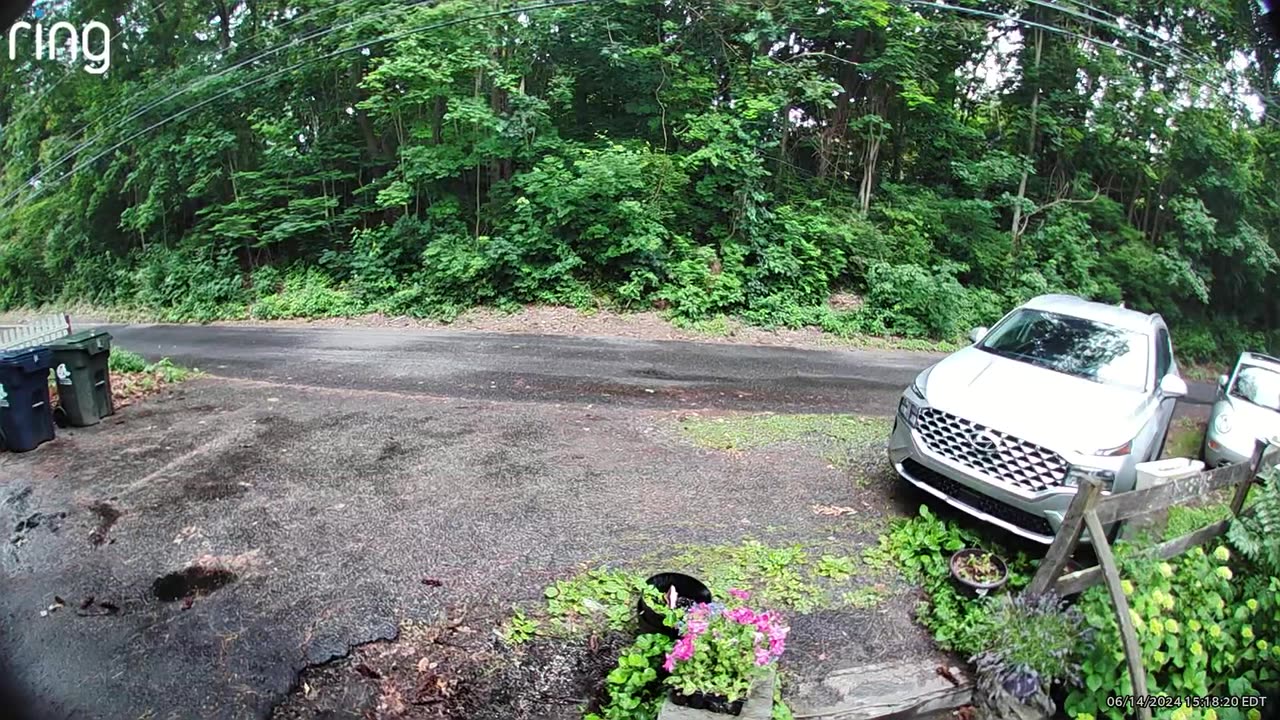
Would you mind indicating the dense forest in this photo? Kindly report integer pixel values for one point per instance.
(929, 164)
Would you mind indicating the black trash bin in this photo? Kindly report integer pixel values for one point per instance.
(26, 420)
(84, 382)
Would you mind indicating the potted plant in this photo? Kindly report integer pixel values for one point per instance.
(666, 592)
(1030, 646)
(978, 571)
(724, 652)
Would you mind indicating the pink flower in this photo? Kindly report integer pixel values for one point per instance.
(670, 664)
(742, 615)
(762, 657)
(683, 649)
(740, 594)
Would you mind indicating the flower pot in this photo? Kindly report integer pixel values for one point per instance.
(689, 591)
(711, 703)
(758, 704)
(962, 572)
(993, 701)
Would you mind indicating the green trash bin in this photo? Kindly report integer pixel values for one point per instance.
(80, 371)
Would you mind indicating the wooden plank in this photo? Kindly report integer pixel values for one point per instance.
(897, 689)
(1082, 580)
(1123, 506)
(1128, 637)
(1064, 543)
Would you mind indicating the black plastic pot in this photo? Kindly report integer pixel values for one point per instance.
(710, 703)
(973, 587)
(689, 591)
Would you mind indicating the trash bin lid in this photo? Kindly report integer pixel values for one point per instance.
(84, 340)
(27, 358)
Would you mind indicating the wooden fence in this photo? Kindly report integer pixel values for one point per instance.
(35, 333)
(1094, 511)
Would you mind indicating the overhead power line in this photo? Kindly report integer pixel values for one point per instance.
(35, 189)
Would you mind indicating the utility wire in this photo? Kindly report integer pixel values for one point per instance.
(1060, 31)
(201, 82)
(340, 51)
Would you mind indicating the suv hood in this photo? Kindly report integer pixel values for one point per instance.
(1052, 409)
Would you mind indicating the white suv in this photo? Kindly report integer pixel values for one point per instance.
(1060, 389)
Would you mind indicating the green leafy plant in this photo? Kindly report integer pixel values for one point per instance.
(520, 628)
(1256, 534)
(122, 361)
(600, 598)
(1030, 642)
(1203, 630)
(921, 548)
(980, 567)
(837, 567)
(631, 690)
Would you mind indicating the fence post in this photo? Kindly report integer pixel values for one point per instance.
(1064, 543)
(1255, 465)
(1128, 637)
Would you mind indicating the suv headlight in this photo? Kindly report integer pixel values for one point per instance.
(1222, 423)
(909, 410)
(1077, 473)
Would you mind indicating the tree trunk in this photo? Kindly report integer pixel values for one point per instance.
(1016, 228)
(224, 23)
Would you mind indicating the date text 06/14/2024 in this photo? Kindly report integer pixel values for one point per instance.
(1189, 701)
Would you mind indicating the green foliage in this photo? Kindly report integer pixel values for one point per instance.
(306, 294)
(1256, 534)
(122, 361)
(837, 567)
(623, 155)
(630, 688)
(167, 371)
(519, 628)
(602, 598)
(921, 548)
(1032, 642)
(1204, 630)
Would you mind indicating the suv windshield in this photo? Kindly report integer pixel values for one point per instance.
(1258, 385)
(1074, 346)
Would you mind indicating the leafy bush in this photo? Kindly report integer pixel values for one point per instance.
(1032, 642)
(1256, 534)
(200, 283)
(630, 687)
(1203, 632)
(123, 361)
(921, 548)
(306, 294)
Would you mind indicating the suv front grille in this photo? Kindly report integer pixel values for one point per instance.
(998, 455)
(1012, 515)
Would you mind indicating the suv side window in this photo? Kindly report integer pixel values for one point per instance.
(1164, 354)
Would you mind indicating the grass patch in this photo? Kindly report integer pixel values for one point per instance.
(866, 598)
(1185, 437)
(745, 432)
(788, 578)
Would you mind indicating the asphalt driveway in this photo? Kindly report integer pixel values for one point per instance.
(323, 473)
(320, 511)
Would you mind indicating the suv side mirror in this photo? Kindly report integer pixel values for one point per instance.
(1173, 386)
(1222, 382)
(977, 334)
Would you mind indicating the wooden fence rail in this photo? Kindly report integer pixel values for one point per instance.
(1091, 510)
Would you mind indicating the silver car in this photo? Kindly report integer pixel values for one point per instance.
(1247, 408)
(1059, 390)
